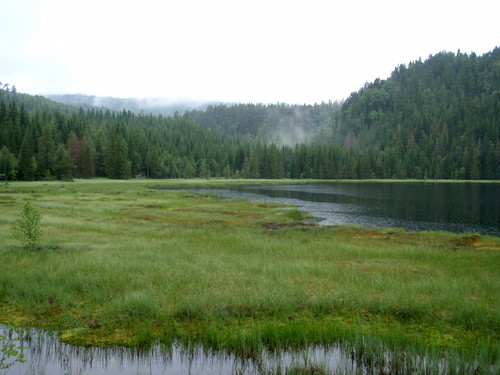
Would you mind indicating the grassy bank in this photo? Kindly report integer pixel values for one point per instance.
(122, 262)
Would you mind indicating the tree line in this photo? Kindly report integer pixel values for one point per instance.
(432, 119)
(96, 143)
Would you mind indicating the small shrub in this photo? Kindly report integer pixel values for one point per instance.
(10, 349)
(27, 228)
(295, 214)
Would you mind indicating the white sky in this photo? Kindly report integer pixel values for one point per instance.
(230, 50)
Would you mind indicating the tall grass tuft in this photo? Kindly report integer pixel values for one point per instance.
(136, 306)
(295, 214)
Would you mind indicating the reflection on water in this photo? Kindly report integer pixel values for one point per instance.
(45, 355)
(453, 207)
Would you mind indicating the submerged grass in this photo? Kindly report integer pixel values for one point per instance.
(122, 262)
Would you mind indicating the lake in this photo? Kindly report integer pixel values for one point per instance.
(415, 206)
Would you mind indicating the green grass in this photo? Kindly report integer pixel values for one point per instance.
(147, 263)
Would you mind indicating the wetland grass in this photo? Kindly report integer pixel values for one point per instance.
(151, 264)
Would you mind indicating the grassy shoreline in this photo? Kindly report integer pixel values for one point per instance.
(123, 264)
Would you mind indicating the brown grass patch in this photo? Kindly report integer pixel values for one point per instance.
(239, 214)
(148, 218)
(476, 242)
(277, 226)
(466, 240)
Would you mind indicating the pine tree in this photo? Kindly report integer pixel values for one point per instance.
(87, 164)
(27, 160)
(46, 150)
(116, 161)
(8, 164)
(64, 163)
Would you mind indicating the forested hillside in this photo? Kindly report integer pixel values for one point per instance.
(432, 119)
(439, 118)
(281, 124)
(32, 103)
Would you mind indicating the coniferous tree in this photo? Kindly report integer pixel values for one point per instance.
(46, 152)
(116, 161)
(87, 164)
(8, 164)
(64, 163)
(27, 160)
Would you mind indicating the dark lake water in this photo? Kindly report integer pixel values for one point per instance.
(415, 206)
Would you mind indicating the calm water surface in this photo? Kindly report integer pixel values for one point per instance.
(45, 354)
(415, 206)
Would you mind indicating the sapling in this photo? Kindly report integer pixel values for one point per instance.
(27, 228)
(11, 350)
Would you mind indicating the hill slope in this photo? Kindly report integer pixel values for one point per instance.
(439, 118)
(34, 103)
(281, 124)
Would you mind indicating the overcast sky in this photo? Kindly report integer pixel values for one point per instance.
(229, 50)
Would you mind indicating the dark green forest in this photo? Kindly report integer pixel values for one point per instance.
(433, 119)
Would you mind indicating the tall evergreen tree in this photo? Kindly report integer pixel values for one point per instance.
(46, 151)
(8, 164)
(27, 160)
(116, 161)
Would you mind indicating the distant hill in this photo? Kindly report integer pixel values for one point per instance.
(34, 103)
(155, 106)
(281, 124)
(440, 118)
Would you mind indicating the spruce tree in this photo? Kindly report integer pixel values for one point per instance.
(27, 160)
(116, 161)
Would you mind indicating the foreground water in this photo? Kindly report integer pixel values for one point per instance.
(45, 354)
(415, 206)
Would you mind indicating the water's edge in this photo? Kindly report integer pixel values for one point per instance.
(448, 207)
(44, 353)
